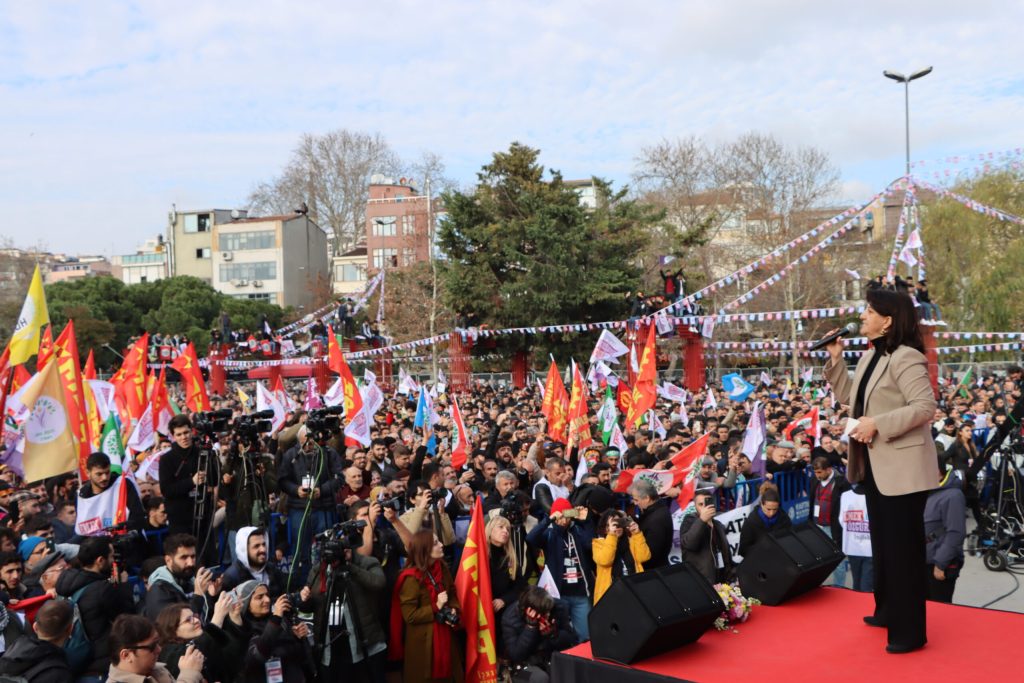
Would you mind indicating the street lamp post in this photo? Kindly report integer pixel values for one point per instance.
(905, 80)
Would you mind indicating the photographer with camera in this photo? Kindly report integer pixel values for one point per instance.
(251, 563)
(620, 549)
(188, 473)
(98, 600)
(428, 512)
(310, 474)
(277, 643)
(247, 478)
(173, 582)
(424, 615)
(534, 627)
(703, 540)
(345, 590)
(567, 536)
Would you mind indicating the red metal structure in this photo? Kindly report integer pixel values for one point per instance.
(693, 358)
(218, 375)
(460, 349)
(520, 368)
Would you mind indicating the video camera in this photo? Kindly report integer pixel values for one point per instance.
(248, 428)
(123, 539)
(212, 422)
(324, 423)
(339, 538)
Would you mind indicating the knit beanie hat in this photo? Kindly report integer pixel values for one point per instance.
(560, 505)
(26, 547)
(244, 591)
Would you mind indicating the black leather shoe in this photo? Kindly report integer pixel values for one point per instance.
(894, 649)
(874, 621)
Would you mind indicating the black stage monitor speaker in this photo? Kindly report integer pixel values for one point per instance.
(788, 564)
(646, 614)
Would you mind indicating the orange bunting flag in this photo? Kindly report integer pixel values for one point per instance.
(556, 404)
(645, 391)
(579, 423)
(460, 439)
(187, 366)
(130, 381)
(473, 588)
(65, 349)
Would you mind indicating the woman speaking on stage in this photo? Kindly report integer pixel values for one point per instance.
(892, 457)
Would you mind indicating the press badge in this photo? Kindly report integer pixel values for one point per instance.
(275, 674)
(719, 560)
(817, 511)
(571, 574)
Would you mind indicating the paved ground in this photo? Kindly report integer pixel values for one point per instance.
(978, 586)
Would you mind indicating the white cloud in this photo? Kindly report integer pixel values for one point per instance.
(113, 111)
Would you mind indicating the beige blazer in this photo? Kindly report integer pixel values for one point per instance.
(899, 397)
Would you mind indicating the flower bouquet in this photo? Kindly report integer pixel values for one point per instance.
(737, 607)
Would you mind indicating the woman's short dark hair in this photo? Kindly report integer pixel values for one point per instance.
(168, 620)
(602, 525)
(904, 330)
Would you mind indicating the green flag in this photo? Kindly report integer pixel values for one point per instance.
(608, 416)
(964, 381)
(110, 443)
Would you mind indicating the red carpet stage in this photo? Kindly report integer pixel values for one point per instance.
(820, 637)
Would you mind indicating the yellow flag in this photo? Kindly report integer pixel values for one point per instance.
(50, 447)
(25, 340)
(242, 396)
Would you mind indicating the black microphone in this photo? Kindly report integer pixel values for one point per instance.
(851, 328)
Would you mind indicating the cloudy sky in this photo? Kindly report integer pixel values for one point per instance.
(112, 111)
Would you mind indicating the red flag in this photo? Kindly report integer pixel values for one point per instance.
(460, 441)
(89, 372)
(663, 480)
(335, 358)
(645, 391)
(685, 458)
(187, 366)
(624, 397)
(6, 379)
(556, 404)
(579, 424)
(130, 380)
(809, 422)
(45, 349)
(473, 587)
(21, 378)
(160, 404)
(65, 349)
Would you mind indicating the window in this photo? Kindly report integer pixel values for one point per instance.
(197, 222)
(409, 224)
(241, 241)
(203, 252)
(143, 279)
(257, 296)
(408, 256)
(349, 272)
(265, 270)
(382, 258)
(384, 226)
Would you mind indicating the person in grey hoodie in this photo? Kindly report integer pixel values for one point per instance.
(945, 530)
(251, 562)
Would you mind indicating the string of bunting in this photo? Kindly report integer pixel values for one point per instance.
(854, 353)
(739, 274)
(971, 204)
(901, 229)
(996, 156)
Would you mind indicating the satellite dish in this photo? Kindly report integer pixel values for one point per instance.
(235, 214)
(401, 181)
(377, 179)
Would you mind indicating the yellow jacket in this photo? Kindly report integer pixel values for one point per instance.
(604, 558)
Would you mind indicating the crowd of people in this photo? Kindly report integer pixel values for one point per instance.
(353, 578)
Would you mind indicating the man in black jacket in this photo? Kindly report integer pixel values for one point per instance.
(99, 601)
(172, 583)
(39, 657)
(703, 541)
(182, 483)
(655, 521)
(533, 627)
(311, 476)
(824, 493)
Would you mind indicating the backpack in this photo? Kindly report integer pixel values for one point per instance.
(78, 648)
(29, 675)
